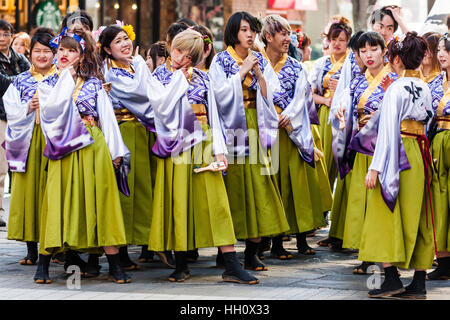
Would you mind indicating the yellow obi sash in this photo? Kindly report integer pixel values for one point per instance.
(412, 128)
(337, 65)
(373, 85)
(124, 115)
(249, 95)
(200, 113)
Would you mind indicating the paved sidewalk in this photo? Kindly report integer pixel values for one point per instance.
(325, 276)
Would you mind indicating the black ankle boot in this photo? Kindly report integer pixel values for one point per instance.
(220, 263)
(251, 260)
(192, 255)
(146, 256)
(41, 275)
(442, 272)
(392, 284)
(234, 271)
(302, 245)
(125, 261)
(116, 274)
(416, 289)
(59, 258)
(93, 266)
(73, 258)
(278, 251)
(181, 272)
(32, 254)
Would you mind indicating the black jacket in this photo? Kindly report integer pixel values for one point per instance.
(9, 70)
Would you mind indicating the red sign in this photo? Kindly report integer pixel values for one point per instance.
(305, 5)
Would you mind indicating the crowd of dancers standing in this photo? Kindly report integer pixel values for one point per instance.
(191, 149)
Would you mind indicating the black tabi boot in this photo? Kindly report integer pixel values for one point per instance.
(181, 272)
(116, 274)
(442, 272)
(392, 284)
(59, 258)
(264, 246)
(166, 257)
(32, 254)
(125, 261)
(234, 271)
(302, 245)
(41, 276)
(146, 256)
(416, 289)
(93, 266)
(278, 251)
(251, 260)
(73, 258)
(220, 263)
(192, 255)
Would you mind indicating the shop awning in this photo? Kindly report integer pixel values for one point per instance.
(304, 5)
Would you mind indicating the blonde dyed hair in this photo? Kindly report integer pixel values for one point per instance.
(272, 24)
(191, 41)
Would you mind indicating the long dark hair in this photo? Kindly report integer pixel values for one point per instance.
(156, 50)
(432, 39)
(90, 67)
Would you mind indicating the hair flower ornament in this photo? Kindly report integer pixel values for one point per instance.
(96, 34)
(128, 28)
(64, 33)
(399, 41)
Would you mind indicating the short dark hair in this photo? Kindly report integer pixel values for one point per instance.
(43, 36)
(446, 42)
(174, 29)
(372, 38)
(81, 15)
(411, 50)
(106, 37)
(337, 28)
(353, 43)
(234, 25)
(187, 22)
(157, 49)
(5, 25)
(379, 14)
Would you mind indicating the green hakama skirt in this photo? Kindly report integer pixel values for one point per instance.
(357, 202)
(255, 199)
(81, 206)
(402, 237)
(441, 190)
(190, 210)
(300, 191)
(339, 209)
(137, 208)
(321, 171)
(27, 191)
(326, 135)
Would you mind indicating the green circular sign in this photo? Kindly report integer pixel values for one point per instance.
(48, 15)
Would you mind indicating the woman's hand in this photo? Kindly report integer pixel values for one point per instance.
(34, 104)
(283, 121)
(371, 179)
(386, 82)
(116, 162)
(248, 65)
(332, 84)
(222, 158)
(340, 115)
(257, 71)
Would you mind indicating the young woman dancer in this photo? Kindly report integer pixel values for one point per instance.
(366, 94)
(134, 116)
(25, 144)
(441, 152)
(242, 80)
(299, 188)
(324, 78)
(191, 209)
(398, 226)
(81, 206)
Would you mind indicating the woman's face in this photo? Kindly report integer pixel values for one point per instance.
(121, 48)
(443, 55)
(180, 58)
(19, 46)
(280, 41)
(372, 56)
(246, 35)
(67, 57)
(338, 46)
(41, 57)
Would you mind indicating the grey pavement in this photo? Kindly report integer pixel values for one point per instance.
(324, 276)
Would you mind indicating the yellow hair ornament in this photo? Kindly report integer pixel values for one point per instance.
(130, 31)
